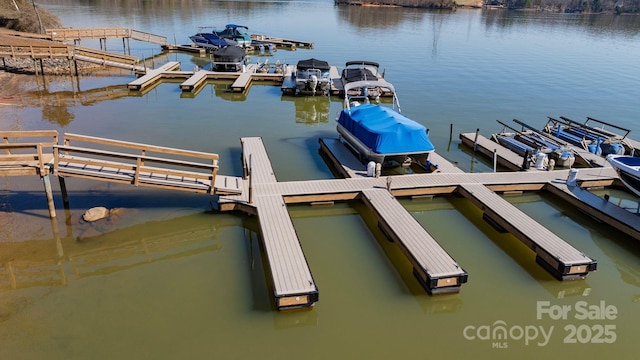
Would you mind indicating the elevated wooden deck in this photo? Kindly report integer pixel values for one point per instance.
(77, 34)
(28, 153)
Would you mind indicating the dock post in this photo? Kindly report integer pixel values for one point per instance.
(47, 190)
(495, 159)
(63, 190)
(475, 141)
(250, 181)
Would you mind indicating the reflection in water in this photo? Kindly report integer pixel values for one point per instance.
(621, 249)
(595, 24)
(378, 18)
(310, 110)
(38, 263)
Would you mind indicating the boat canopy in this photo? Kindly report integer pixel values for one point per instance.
(229, 54)
(362, 63)
(385, 131)
(313, 64)
(235, 26)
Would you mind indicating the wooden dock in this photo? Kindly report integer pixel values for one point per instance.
(77, 34)
(434, 268)
(293, 284)
(195, 79)
(432, 265)
(504, 157)
(597, 207)
(280, 42)
(155, 75)
(259, 193)
(514, 162)
(559, 258)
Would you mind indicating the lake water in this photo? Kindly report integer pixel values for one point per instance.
(173, 279)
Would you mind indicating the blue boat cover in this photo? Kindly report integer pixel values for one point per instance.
(385, 131)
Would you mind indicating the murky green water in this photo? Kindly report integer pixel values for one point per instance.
(170, 278)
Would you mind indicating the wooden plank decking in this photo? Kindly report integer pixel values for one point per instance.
(293, 285)
(432, 265)
(598, 208)
(152, 76)
(486, 147)
(553, 253)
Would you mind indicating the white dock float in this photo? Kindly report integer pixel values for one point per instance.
(432, 265)
(152, 76)
(194, 81)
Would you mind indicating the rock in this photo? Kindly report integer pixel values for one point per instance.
(95, 214)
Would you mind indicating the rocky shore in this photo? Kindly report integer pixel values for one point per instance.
(47, 66)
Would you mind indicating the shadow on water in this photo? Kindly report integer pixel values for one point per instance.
(623, 250)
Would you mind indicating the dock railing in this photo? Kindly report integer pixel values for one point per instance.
(22, 152)
(52, 51)
(131, 163)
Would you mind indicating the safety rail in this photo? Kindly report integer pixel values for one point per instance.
(26, 157)
(68, 34)
(148, 37)
(52, 51)
(105, 55)
(173, 168)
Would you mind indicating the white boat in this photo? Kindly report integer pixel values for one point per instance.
(380, 133)
(312, 76)
(628, 169)
(362, 70)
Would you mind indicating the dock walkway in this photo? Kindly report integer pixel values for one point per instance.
(554, 254)
(293, 284)
(432, 265)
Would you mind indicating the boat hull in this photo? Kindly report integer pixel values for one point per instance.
(628, 169)
(366, 154)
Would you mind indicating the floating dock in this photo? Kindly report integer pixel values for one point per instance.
(195, 79)
(258, 192)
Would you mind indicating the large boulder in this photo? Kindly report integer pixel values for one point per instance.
(95, 214)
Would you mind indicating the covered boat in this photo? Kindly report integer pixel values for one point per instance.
(312, 76)
(628, 169)
(230, 59)
(210, 39)
(381, 134)
(236, 33)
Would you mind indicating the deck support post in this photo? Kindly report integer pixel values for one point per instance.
(475, 141)
(49, 193)
(63, 190)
